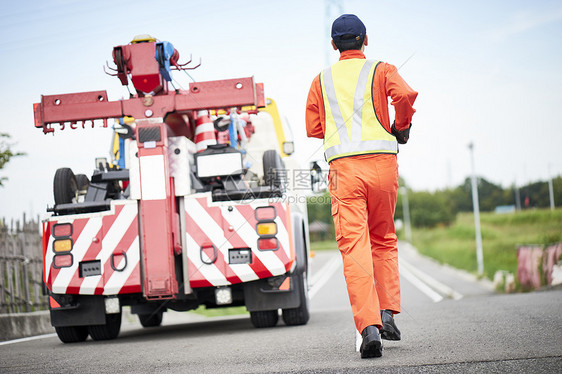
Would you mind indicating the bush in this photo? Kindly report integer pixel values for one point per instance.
(430, 209)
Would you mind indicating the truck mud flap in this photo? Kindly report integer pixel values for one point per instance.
(260, 296)
(90, 310)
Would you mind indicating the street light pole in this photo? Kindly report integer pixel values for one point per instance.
(332, 8)
(479, 256)
(406, 208)
(550, 189)
(517, 198)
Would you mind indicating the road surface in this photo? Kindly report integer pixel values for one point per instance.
(449, 323)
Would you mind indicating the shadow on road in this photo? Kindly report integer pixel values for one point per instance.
(192, 330)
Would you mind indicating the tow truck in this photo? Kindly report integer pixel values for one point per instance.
(193, 209)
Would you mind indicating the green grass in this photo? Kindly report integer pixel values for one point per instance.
(501, 235)
(219, 312)
(323, 245)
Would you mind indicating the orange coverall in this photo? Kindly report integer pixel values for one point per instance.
(364, 189)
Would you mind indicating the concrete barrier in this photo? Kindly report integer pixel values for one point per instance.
(539, 266)
(552, 264)
(21, 325)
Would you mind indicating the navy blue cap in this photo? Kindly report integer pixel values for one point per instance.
(348, 24)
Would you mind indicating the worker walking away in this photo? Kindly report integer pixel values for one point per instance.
(347, 107)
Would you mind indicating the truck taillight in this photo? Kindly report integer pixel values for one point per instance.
(268, 244)
(62, 260)
(265, 213)
(61, 230)
(62, 245)
(267, 228)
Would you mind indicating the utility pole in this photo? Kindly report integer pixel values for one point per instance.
(329, 17)
(550, 189)
(517, 198)
(406, 208)
(479, 256)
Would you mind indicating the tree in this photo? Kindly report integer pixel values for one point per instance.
(6, 153)
(320, 209)
(430, 209)
(535, 195)
(490, 196)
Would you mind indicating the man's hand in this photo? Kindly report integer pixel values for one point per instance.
(401, 136)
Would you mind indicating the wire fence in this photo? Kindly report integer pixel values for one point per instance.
(21, 270)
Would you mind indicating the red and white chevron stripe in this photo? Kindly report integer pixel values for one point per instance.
(227, 225)
(97, 236)
(224, 225)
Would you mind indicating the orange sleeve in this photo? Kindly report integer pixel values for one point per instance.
(402, 95)
(315, 111)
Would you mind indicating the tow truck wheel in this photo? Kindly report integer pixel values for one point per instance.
(300, 315)
(72, 334)
(82, 182)
(108, 331)
(64, 186)
(265, 318)
(152, 319)
(273, 170)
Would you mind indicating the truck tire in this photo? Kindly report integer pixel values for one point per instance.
(82, 182)
(152, 319)
(265, 318)
(300, 315)
(108, 331)
(274, 173)
(72, 334)
(64, 186)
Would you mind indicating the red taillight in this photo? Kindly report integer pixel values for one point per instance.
(62, 230)
(266, 228)
(62, 261)
(265, 213)
(266, 244)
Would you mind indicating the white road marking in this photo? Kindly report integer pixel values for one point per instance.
(417, 282)
(21, 340)
(428, 281)
(323, 275)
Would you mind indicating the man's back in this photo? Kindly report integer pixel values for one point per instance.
(347, 106)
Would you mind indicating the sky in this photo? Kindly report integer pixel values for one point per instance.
(487, 73)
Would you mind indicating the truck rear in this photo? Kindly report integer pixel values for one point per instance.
(189, 211)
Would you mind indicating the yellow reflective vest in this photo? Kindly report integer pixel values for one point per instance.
(352, 127)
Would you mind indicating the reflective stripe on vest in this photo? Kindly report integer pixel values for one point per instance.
(352, 127)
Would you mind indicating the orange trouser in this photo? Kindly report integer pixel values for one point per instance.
(363, 190)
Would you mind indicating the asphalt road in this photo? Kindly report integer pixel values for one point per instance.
(449, 323)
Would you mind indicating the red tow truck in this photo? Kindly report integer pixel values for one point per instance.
(193, 209)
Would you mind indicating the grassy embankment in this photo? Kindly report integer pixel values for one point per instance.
(501, 234)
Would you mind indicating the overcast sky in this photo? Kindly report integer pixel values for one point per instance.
(487, 72)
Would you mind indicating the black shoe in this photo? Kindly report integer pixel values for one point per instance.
(389, 330)
(372, 344)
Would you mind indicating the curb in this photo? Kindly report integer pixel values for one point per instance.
(21, 325)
